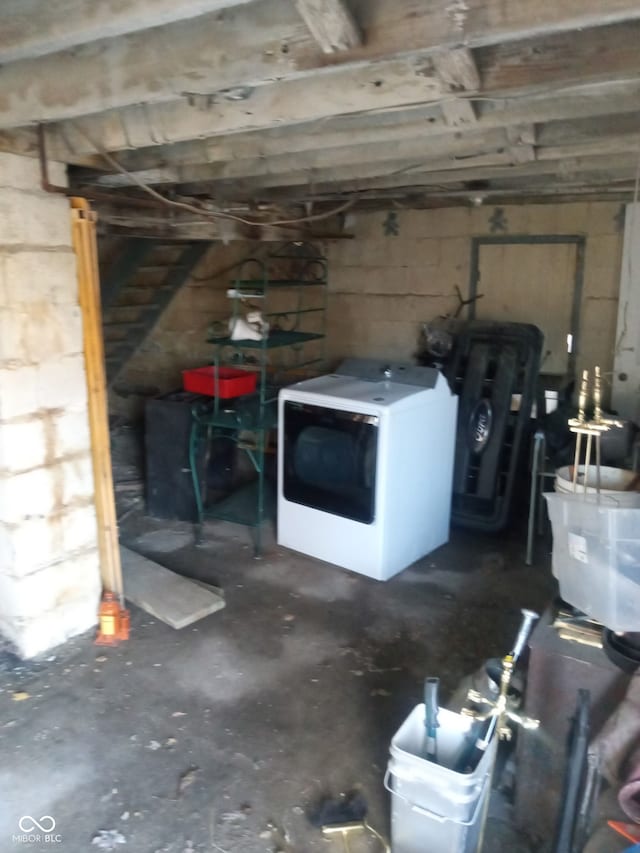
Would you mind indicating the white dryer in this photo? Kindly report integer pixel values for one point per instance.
(365, 465)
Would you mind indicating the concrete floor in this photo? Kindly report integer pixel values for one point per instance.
(222, 736)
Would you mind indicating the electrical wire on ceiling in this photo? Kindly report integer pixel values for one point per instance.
(214, 215)
(202, 211)
(503, 100)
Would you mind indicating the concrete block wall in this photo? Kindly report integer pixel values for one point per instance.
(49, 565)
(383, 285)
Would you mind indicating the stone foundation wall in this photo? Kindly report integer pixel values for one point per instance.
(49, 565)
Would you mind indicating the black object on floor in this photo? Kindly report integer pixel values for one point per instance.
(490, 364)
(168, 474)
(349, 808)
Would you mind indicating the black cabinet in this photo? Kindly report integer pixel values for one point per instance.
(169, 482)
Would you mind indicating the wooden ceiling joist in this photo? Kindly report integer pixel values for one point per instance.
(32, 28)
(577, 172)
(513, 144)
(619, 103)
(331, 24)
(300, 99)
(334, 158)
(398, 165)
(253, 44)
(389, 84)
(604, 57)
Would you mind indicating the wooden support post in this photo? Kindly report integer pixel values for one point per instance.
(84, 244)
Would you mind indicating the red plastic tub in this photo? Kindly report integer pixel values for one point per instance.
(229, 382)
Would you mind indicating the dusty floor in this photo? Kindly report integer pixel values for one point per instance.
(221, 737)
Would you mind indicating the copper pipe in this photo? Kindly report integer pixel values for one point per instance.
(93, 195)
(46, 185)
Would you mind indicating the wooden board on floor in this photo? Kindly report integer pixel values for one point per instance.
(173, 599)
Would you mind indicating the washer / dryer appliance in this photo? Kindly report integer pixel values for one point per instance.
(365, 465)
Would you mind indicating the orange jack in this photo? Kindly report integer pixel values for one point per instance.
(113, 622)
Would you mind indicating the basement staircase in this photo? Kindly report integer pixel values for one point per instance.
(136, 287)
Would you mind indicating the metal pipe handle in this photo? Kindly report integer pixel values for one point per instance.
(529, 617)
(431, 687)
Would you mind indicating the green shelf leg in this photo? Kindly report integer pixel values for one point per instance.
(194, 438)
(260, 456)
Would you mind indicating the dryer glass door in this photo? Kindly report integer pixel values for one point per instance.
(330, 460)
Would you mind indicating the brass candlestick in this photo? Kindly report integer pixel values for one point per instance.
(592, 429)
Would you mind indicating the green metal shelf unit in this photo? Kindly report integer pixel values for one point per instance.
(289, 288)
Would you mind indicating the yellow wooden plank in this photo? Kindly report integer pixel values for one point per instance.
(85, 246)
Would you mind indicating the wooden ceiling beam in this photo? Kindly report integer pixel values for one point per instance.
(347, 94)
(529, 191)
(309, 136)
(306, 182)
(253, 44)
(613, 145)
(417, 152)
(613, 50)
(619, 102)
(31, 28)
(564, 132)
(548, 193)
(582, 170)
(204, 55)
(331, 23)
(334, 158)
(568, 168)
(340, 91)
(570, 159)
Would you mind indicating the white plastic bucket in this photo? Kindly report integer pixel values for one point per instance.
(614, 483)
(433, 808)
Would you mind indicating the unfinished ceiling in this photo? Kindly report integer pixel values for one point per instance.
(272, 103)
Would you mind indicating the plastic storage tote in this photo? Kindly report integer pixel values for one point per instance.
(224, 383)
(434, 809)
(596, 557)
